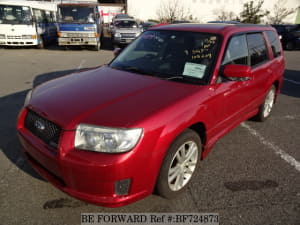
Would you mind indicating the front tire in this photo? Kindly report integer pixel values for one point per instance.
(97, 46)
(180, 164)
(266, 108)
(41, 44)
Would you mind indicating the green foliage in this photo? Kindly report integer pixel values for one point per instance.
(253, 13)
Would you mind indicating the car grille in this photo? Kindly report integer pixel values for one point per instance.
(128, 35)
(44, 129)
(78, 35)
(13, 37)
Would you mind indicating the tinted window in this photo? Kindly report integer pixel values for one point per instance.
(274, 43)
(126, 24)
(257, 49)
(237, 51)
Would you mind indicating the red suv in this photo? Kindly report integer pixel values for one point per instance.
(113, 134)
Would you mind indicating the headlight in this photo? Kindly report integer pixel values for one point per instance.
(2, 36)
(28, 97)
(104, 139)
(137, 34)
(28, 36)
(62, 34)
(118, 35)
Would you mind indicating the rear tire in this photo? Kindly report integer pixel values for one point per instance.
(180, 164)
(265, 109)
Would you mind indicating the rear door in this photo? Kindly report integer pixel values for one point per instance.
(261, 66)
(237, 98)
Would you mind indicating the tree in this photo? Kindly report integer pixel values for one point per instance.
(172, 10)
(253, 13)
(280, 12)
(224, 15)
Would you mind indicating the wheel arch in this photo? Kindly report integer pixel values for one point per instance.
(277, 86)
(200, 129)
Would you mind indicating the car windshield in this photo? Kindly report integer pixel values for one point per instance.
(10, 14)
(125, 24)
(173, 55)
(76, 14)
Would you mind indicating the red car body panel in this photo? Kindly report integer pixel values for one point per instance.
(162, 108)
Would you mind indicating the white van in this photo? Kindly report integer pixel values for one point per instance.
(27, 23)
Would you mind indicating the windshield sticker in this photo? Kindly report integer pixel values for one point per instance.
(194, 70)
(202, 56)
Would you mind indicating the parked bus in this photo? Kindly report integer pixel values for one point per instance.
(27, 23)
(80, 24)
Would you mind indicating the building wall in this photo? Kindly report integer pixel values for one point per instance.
(202, 10)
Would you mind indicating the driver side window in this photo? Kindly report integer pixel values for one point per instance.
(237, 51)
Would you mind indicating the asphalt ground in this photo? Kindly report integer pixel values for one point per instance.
(252, 175)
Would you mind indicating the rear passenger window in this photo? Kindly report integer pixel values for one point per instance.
(274, 43)
(237, 51)
(257, 49)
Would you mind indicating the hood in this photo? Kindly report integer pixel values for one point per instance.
(105, 97)
(17, 30)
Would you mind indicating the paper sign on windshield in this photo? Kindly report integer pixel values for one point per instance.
(194, 70)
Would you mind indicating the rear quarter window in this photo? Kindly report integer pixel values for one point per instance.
(274, 42)
(257, 49)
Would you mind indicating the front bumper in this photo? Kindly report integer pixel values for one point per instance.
(77, 41)
(18, 42)
(86, 175)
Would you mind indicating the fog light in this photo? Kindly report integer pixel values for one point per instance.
(122, 187)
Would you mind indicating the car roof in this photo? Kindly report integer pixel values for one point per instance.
(125, 19)
(122, 15)
(227, 21)
(218, 28)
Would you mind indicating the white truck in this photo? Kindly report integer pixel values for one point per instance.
(109, 11)
(27, 23)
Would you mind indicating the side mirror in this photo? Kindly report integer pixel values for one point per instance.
(117, 51)
(237, 71)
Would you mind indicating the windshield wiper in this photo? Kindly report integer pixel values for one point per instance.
(186, 79)
(175, 77)
(133, 69)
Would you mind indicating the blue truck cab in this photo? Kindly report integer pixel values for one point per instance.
(80, 24)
